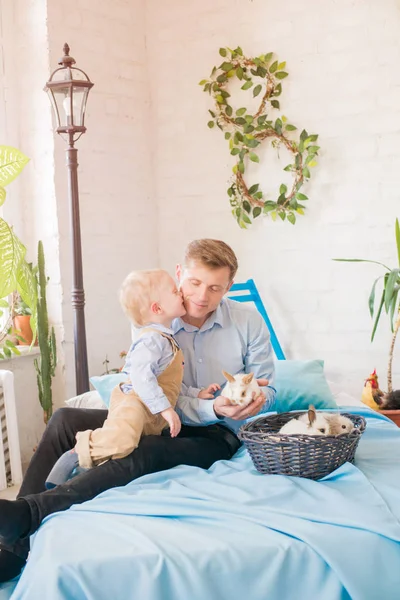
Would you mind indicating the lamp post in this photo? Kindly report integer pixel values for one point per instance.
(68, 89)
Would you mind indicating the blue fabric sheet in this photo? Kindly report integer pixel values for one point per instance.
(230, 533)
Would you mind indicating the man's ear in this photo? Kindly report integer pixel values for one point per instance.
(229, 286)
(155, 308)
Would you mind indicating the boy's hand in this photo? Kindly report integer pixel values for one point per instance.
(208, 392)
(173, 421)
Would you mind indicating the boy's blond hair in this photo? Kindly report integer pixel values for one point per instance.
(214, 254)
(138, 291)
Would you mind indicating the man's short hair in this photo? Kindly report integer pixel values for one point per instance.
(213, 254)
(138, 291)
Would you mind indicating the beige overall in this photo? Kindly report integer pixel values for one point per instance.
(129, 418)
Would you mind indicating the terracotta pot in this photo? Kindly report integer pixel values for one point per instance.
(22, 327)
(394, 415)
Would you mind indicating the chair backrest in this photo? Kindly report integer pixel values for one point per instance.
(254, 296)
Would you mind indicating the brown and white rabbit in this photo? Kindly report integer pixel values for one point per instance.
(317, 423)
(239, 388)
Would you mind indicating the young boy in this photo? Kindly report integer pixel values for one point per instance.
(144, 405)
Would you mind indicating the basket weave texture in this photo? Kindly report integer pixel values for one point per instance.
(310, 456)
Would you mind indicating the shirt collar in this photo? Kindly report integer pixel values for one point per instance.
(157, 326)
(216, 318)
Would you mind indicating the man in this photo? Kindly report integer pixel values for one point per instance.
(216, 334)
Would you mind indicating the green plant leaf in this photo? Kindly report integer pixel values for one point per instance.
(378, 314)
(7, 351)
(252, 190)
(291, 218)
(289, 127)
(371, 299)
(222, 52)
(227, 135)
(241, 166)
(2, 196)
(210, 124)
(273, 67)
(283, 189)
(246, 219)
(239, 73)
(203, 82)
(253, 156)
(282, 214)
(257, 90)
(398, 239)
(228, 110)
(389, 287)
(256, 212)
(393, 306)
(275, 104)
(12, 253)
(246, 206)
(235, 151)
(301, 196)
(281, 75)
(375, 262)
(247, 85)
(240, 111)
(12, 161)
(227, 66)
(268, 56)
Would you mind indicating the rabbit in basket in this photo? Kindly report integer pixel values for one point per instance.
(317, 423)
(239, 388)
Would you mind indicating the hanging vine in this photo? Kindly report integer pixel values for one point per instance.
(246, 131)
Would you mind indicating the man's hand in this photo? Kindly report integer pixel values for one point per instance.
(223, 407)
(208, 392)
(173, 421)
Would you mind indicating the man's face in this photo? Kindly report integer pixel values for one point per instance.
(202, 288)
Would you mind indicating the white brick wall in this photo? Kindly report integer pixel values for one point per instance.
(118, 222)
(153, 176)
(344, 84)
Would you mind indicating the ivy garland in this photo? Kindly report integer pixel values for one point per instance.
(246, 131)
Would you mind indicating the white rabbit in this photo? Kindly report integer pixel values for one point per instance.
(239, 388)
(316, 423)
(310, 423)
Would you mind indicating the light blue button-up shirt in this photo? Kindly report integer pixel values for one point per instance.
(149, 355)
(234, 339)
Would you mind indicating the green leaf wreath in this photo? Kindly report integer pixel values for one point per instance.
(246, 131)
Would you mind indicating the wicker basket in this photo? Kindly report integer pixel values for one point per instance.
(308, 456)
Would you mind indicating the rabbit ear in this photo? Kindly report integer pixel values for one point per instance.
(228, 376)
(248, 378)
(312, 415)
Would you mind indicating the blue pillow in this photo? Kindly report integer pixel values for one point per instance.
(105, 384)
(299, 383)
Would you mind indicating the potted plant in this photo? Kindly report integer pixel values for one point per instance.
(22, 322)
(388, 402)
(15, 272)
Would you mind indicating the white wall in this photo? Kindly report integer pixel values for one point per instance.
(343, 83)
(118, 222)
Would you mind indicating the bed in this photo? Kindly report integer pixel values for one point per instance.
(230, 533)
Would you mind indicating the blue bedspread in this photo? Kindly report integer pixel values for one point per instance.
(230, 533)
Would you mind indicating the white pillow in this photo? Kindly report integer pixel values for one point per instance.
(86, 400)
(342, 398)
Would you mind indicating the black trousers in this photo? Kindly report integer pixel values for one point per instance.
(195, 446)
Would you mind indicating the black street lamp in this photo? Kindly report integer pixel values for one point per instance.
(68, 89)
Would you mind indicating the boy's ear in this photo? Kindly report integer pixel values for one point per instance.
(155, 308)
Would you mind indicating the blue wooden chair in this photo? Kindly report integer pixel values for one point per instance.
(254, 296)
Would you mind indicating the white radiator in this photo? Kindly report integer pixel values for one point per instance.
(10, 456)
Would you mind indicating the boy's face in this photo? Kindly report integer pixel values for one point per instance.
(170, 299)
(202, 289)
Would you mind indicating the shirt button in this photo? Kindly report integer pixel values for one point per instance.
(200, 360)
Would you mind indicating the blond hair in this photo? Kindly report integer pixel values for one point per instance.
(138, 291)
(214, 254)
